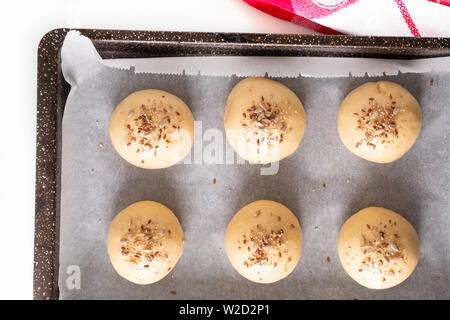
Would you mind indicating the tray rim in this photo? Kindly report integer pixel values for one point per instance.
(49, 110)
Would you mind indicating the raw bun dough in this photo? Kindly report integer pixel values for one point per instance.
(264, 241)
(378, 248)
(379, 121)
(152, 129)
(145, 241)
(258, 136)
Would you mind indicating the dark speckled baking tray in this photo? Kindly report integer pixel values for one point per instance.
(53, 90)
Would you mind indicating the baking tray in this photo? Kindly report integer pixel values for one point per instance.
(52, 92)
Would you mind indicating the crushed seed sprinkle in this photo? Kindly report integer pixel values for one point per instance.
(265, 247)
(142, 243)
(266, 124)
(381, 253)
(378, 122)
(150, 127)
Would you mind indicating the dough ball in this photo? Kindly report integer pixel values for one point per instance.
(264, 120)
(264, 241)
(379, 121)
(378, 248)
(145, 241)
(152, 129)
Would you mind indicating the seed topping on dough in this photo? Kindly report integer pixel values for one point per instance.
(265, 247)
(267, 123)
(149, 127)
(381, 253)
(142, 243)
(378, 122)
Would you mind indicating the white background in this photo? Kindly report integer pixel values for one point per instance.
(22, 25)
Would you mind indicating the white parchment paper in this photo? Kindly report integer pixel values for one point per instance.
(97, 183)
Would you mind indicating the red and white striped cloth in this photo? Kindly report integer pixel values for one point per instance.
(418, 18)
